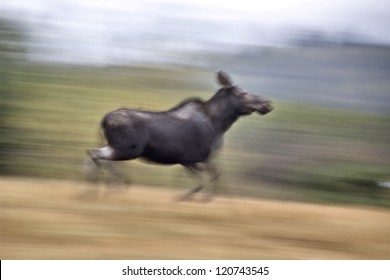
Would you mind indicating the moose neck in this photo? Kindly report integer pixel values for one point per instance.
(221, 114)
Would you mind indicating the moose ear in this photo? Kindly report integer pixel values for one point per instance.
(224, 79)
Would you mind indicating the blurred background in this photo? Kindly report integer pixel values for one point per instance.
(325, 65)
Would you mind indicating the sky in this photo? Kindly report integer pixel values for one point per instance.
(100, 31)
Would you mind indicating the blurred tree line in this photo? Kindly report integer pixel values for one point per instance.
(12, 51)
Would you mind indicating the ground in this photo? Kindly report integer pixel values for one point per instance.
(51, 219)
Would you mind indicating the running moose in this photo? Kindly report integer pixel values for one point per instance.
(187, 134)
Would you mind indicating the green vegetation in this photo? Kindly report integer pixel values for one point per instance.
(50, 116)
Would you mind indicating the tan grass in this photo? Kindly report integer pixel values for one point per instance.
(48, 219)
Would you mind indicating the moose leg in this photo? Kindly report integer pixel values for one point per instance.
(214, 176)
(103, 159)
(91, 170)
(102, 153)
(194, 171)
(114, 176)
(105, 153)
(93, 165)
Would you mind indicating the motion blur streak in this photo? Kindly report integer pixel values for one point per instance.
(63, 66)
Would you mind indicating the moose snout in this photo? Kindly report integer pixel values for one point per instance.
(265, 107)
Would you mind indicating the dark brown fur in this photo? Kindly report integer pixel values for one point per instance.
(187, 134)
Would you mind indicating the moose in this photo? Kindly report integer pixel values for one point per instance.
(187, 134)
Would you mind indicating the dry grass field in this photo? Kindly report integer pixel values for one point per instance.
(48, 219)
